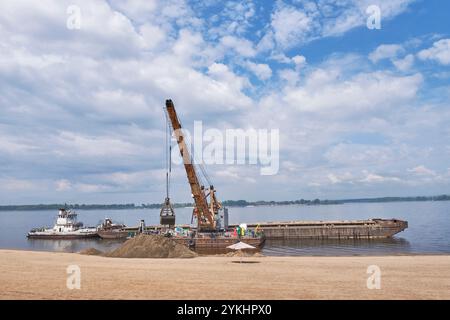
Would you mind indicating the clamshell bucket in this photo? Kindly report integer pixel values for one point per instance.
(167, 214)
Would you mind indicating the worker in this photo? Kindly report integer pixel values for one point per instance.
(257, 229)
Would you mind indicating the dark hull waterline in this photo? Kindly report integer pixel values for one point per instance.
(61, 236)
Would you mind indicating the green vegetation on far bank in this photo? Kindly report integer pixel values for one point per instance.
(227, 203)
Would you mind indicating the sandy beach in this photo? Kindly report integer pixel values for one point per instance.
(43, 275)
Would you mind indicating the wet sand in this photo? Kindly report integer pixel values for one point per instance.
(43, 275)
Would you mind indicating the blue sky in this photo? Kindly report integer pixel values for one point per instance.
(361, 113)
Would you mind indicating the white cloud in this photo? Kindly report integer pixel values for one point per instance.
(136, 9)
(261, 70)
(15, 146)
(348, 14)
(293, 25)
(280, 57)
(422, 170)
(290, 25)
(386, 51)
(330, 107)
(439, 52)
(235, 18)
(333, 178)
(404, 64)
(82, 112)
(266, 43)
(299, 60)
(118, 103)
(227, 85)
(91, 188)
(152, 36)
(324, 93)
(345, 177)
(396, 54)
(235, 174)
(63, 185)
(360, 155)
(376, 178)
(74, 144)
(17, 185)
(241, 46)
(291, 77)
(189, 45)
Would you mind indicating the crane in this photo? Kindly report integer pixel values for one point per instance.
(167, 214)
(208, 217)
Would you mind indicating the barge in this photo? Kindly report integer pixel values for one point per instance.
(218, 244)
(203, 242)
(345, 229)
(110, 230)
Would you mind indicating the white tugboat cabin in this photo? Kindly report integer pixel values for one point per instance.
(66, 227)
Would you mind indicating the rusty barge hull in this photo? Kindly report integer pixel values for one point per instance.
(356, 229)
(346, 229)
(218, 245)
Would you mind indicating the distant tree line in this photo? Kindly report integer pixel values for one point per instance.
(32, 207)
(227, 203)
(399, 199)
(158, 205)
(244, 203)
(69, 206)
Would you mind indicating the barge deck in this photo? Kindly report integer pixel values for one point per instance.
(346, 229)
(351, 229)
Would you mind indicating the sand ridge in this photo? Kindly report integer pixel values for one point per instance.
(43, 275)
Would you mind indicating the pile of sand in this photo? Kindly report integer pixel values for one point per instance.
(91, 252)
(151, 246)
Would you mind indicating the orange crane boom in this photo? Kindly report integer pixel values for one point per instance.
(205, 216)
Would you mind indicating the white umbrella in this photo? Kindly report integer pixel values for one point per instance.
(239, 246)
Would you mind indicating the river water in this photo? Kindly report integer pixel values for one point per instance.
(428, 232)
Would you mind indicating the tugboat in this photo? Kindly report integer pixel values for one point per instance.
(66, 227)
(110, 230)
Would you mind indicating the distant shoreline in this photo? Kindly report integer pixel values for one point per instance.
(227, 203)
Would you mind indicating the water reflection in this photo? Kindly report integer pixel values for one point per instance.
(73, 245)
(333, 247)
(291, 247)
(428, 232)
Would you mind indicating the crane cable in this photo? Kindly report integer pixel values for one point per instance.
(204, 175)
(168, 159)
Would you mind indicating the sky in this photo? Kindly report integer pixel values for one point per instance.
(361, 112)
